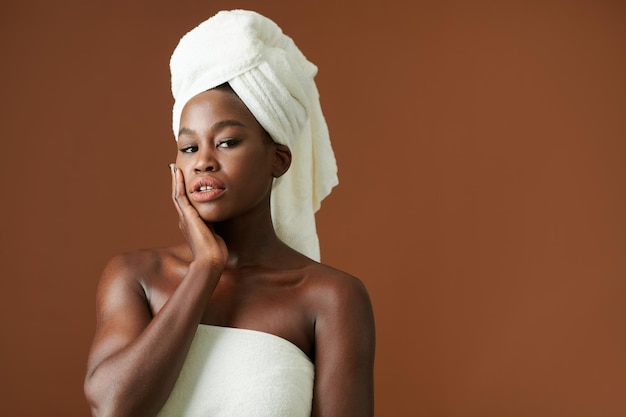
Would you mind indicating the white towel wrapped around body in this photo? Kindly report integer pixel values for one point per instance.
(233, 372)
(276, 82)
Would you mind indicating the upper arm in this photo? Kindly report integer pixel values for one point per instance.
(344, 351)
(122, 310)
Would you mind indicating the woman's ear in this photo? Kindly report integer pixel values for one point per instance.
(282, 160)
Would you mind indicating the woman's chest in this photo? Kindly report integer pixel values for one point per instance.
(274, 305)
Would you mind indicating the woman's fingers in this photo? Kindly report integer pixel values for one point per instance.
(178, 186)
(179, 194)
(173, 172)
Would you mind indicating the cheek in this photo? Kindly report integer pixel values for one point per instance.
(183, 165)
(255, 176)
(183, 161)
(259, 169)
(178, 159)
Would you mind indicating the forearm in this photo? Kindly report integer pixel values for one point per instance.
(137, 380)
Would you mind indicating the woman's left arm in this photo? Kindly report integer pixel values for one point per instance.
(344, 350)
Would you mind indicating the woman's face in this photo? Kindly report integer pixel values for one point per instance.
(226, 157)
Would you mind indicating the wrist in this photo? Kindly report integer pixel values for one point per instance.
(206, 266)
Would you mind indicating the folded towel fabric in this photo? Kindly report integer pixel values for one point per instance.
(238, 372)
(276, 82)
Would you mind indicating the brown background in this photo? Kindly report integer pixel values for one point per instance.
(481, 148)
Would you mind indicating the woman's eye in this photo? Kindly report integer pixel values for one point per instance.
(189, 149)
(228, 143)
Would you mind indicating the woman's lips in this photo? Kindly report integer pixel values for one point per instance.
(205, 189)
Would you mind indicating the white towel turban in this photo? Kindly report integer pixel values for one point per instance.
(275, 81)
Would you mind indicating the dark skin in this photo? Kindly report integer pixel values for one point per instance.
(232, 271)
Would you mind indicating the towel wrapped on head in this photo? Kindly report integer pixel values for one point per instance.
(276, 82)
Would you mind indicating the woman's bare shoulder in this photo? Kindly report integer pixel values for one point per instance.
(143, 264)
(326, 277)
(331, 289)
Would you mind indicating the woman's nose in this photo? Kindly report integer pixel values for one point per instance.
(205, 161)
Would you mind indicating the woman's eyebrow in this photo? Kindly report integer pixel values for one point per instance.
(225, 123)
(216, 126)
(186, 131)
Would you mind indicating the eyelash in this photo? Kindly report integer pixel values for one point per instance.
(228, 143)
(189, 149)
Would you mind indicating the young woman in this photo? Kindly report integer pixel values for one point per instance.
(235, 321)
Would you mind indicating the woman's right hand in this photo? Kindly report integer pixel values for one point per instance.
(206, 246)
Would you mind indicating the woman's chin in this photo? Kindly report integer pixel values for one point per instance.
(209, 214)
(212, 217)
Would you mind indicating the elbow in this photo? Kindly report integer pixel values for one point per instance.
(107, 399)
(100, 402)
(92, 397)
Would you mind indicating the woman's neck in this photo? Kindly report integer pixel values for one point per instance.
(250, 239)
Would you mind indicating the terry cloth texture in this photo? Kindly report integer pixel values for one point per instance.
(276, 82)
(232, 372)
